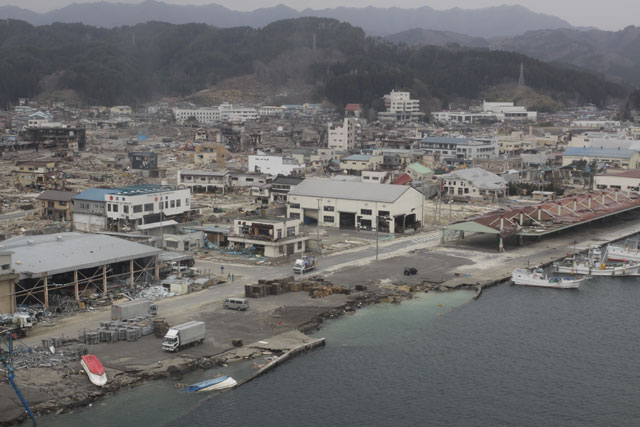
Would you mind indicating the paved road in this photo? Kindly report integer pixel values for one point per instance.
(16, 215)
(180, 305)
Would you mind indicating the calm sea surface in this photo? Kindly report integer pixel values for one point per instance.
(516, 357)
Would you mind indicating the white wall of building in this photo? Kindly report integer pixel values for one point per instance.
(411, 202)
(88, 223)
(343, 137)
(273, 165)
(135, 207)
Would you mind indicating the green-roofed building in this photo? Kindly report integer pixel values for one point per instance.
(419, 172)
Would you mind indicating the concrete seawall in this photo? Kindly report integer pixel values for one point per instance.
(543, 259)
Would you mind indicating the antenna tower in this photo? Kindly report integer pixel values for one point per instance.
(521, 79)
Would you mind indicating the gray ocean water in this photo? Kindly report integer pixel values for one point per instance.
(516, 357)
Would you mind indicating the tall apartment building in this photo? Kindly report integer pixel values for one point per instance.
(400, 107)
(343, 137)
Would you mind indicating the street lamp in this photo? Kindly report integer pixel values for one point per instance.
(386, 218)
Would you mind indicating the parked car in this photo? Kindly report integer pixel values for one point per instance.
(236, 303)
(410, 271)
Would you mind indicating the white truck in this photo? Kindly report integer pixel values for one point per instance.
(181, 335)
(23, 320)
(304, 264)
(132, 309)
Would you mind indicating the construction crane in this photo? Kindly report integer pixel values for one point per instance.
(6, 357)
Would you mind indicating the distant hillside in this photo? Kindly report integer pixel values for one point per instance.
(145, 61)
(486, 22)
(615, 54)
(421, 36)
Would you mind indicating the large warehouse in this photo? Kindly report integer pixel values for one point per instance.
(73, 264)
(353, 205)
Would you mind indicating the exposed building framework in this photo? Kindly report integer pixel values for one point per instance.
(549, 217)
(76, 265)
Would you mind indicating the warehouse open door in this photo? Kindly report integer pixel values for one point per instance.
(348, 220)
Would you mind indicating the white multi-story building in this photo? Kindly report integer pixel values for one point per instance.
(128, 207)
(202, 115)
(270, 110)
(205, 180)
(269, 236)
(509, 111)
(460, 149)
(595, 124)
(491, 111)
(232, 113)
(273, 165)
(473, 183)
(343, 137)
(401, 107)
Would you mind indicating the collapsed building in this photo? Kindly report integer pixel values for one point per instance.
(75, 265)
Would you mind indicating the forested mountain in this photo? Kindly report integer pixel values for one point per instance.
(422, 36)
(138, 63)
(485, 22)
(614, 54)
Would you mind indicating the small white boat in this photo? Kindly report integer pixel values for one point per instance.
(94, 369)
(628, 252)
(537, 278)
(213, 384)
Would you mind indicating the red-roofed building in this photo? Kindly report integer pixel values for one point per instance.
(627, 180)
(353, 110)
(404, 179)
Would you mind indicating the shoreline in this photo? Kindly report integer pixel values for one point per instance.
(178, 366)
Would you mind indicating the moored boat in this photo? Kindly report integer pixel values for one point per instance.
(219, 383)
(94, 369)
(537, 278)
(628, 252)
(594, 264)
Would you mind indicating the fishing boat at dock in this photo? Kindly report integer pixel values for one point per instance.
(595, 265)
(537, 278)
(629, 252)
(94, 369)
(219, 383)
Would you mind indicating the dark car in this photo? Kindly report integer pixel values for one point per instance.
(410, 271)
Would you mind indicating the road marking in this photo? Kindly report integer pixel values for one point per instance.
(427, 238)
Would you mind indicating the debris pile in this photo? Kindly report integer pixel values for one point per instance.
(155, 292)
(316, 286)
(44, 357)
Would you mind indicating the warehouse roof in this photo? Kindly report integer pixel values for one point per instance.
(358, 158)
(330, 189)
(482, 179)
(57, 195)
(444, 140)
(204, 173)
(599, 152)
(64, 252)
(94, 194)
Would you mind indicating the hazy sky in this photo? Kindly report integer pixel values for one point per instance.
(609, 15)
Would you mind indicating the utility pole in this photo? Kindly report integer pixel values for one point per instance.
(318, 225)
(377, 230)
(162, 222)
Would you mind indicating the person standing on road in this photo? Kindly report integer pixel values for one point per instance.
(222, 270)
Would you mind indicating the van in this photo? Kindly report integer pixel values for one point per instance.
(236, 303)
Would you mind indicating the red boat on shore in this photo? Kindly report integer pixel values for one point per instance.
(94, 369)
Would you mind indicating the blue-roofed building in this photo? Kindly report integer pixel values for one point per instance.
(90, 210)
(611, 157)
